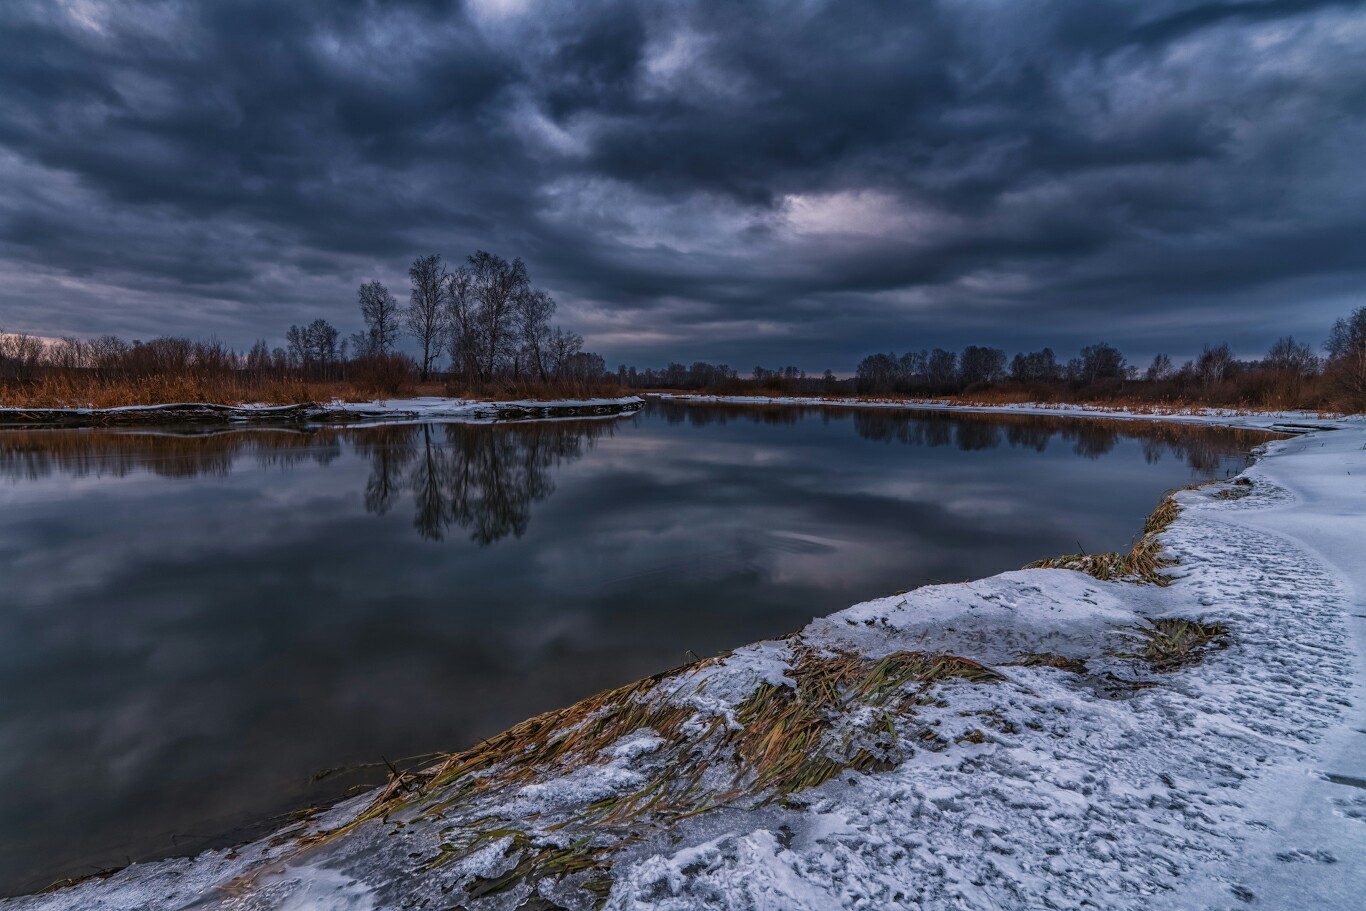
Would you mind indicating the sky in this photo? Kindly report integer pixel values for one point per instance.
(765, 182)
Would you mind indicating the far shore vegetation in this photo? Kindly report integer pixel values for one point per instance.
(481, 330)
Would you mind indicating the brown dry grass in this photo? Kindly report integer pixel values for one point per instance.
(1143, 563)
(62, 389)
(783, 740)
(1170, 643)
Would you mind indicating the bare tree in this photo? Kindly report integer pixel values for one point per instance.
(941, 369)
(981, 365)
(1346, 347)
(379, 309)
(1292, 357)
(258, 359)
(1160, 369)
(561, 348)
(1035, 366)
(497, 285)
(1100, 361)
(534, 309)
(20, 354)
(877, 373)
(462, 322)
(314, 347)
(426, 312)
(1215, 364)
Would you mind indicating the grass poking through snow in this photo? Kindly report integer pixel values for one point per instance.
(1172, 642)
(842, 712)
(1143, 563)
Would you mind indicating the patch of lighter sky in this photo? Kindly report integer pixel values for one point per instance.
(867, 212)
(493, 11)
(678, 64)
(88, 14)
(542, 132)
(699, 223)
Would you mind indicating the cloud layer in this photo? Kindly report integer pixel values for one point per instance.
(757, 183)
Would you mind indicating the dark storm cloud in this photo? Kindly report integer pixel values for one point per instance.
(755, 182)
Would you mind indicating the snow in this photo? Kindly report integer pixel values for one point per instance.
(1236, 782)
(409, 410)
(438, 408)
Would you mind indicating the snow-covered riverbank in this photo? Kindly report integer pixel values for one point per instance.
(1015, 742)
(412, 410)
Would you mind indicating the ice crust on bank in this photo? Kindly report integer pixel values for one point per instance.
(407, 410)
(1233, 783)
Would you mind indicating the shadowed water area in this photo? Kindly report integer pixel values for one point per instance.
(202, 631)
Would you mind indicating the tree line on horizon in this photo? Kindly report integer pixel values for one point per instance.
(495, 328)
(485, 314)
(1290, 374)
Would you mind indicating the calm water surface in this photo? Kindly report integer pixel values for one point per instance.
(194, 626)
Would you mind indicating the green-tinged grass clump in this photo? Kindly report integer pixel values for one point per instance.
(1171, 643)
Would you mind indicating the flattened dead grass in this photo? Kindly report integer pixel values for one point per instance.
(1170, 643)
(1145, 562)
(843, 712)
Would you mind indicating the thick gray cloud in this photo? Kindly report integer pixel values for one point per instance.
(758, 183)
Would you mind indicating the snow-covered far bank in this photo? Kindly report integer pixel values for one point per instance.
(1036, 739)
(413, 410)
(1279, 421)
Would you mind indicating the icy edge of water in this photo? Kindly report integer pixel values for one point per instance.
(411, 410)
(1294, 422)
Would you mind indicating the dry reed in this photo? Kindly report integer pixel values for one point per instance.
(1144, 562)
(843, 712)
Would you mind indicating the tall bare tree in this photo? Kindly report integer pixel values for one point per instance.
(534, 309)
(1346, 347)
(462, 322)
(1291, 357)
(497, 286)
(560, 349)
(380, 311)
(426, 314)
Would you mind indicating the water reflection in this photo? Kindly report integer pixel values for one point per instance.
(193, 624)
(1202, 448)
(464, 476)
(28, 455)
(458, 475)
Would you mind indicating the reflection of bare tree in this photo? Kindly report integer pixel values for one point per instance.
(432, 476)
(33, 454)
(700, 415)
(1201, 447)
(1092, 440)
(480, 477)
(1028, 436)
(977, 435)
(390, 451)
(477, 476)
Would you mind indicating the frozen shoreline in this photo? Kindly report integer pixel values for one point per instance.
(1238, 779)
(414, 410)
(1278, 421)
